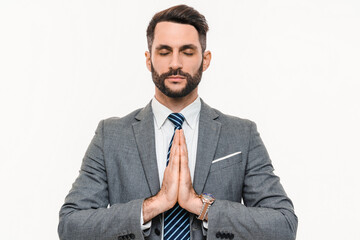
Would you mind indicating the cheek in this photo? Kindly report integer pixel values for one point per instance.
(192, 67)
(160, 65)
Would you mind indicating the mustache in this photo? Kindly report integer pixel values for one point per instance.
(174, 72)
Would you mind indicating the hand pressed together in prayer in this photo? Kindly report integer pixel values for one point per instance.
(176, 186)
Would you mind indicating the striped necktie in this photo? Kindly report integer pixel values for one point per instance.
(176, 223)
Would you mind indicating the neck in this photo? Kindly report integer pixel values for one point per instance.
(176, 104)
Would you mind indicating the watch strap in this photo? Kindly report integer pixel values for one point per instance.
(207, 200)
(204, 211)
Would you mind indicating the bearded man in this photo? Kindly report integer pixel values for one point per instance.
(177, 168)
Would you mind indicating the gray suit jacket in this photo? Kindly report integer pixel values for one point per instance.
(119, 171)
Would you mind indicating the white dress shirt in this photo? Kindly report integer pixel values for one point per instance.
(164, 130)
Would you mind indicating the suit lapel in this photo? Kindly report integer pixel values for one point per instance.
(209, 132)
(145, 140)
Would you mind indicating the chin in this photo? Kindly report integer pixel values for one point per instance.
(175, 94)
(175, 89)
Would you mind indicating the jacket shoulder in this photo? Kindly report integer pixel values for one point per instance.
(115, 124)
(233, 121)
(125, 120)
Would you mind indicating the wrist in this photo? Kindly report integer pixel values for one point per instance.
(149, 209)
(154, 206)
(194, 205)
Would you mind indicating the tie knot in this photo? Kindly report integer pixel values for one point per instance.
(177, 119)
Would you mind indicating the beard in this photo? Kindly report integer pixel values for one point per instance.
(191, 81)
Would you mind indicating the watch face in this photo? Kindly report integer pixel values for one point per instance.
(208, 197)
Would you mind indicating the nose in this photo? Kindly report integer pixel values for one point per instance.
(176, 62)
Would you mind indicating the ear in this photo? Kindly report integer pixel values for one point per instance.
(148, 60)
(206, 60)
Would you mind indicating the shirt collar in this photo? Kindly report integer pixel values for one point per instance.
(190, 112)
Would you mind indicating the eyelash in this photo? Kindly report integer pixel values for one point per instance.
(187, 54)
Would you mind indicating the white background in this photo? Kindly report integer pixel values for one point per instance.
(290, 66)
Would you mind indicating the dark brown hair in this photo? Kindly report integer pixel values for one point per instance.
(179, 14)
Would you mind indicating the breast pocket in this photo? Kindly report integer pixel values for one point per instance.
(225, 178)
(226, 161)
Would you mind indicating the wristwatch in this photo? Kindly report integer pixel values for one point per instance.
(207, 200)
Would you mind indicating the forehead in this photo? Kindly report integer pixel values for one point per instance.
(175, 34)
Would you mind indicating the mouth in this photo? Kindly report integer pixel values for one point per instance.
(176, 78)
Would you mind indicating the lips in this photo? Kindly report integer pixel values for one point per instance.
(176, 78)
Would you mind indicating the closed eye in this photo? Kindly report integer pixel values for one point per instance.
(163, 53)
(188, 53)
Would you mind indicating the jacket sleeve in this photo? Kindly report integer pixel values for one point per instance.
(85, 213)
(266, 213)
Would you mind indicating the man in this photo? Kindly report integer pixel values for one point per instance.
(141, 179)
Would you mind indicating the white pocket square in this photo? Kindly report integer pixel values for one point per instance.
(227, 156)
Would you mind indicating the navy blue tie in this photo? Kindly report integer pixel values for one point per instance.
(177, 222)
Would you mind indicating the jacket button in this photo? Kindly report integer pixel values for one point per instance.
(132, 236)
(218, 235)
(157, 231)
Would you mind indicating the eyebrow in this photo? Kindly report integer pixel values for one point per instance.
(182, 48)
(162, 46)
(188, 46)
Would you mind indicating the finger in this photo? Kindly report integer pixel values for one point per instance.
(182, 137)
(176, 140)
(174, 161)
(175, 151)
(183, 147)
(173, 145)
(174, 156)
(185, 176)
